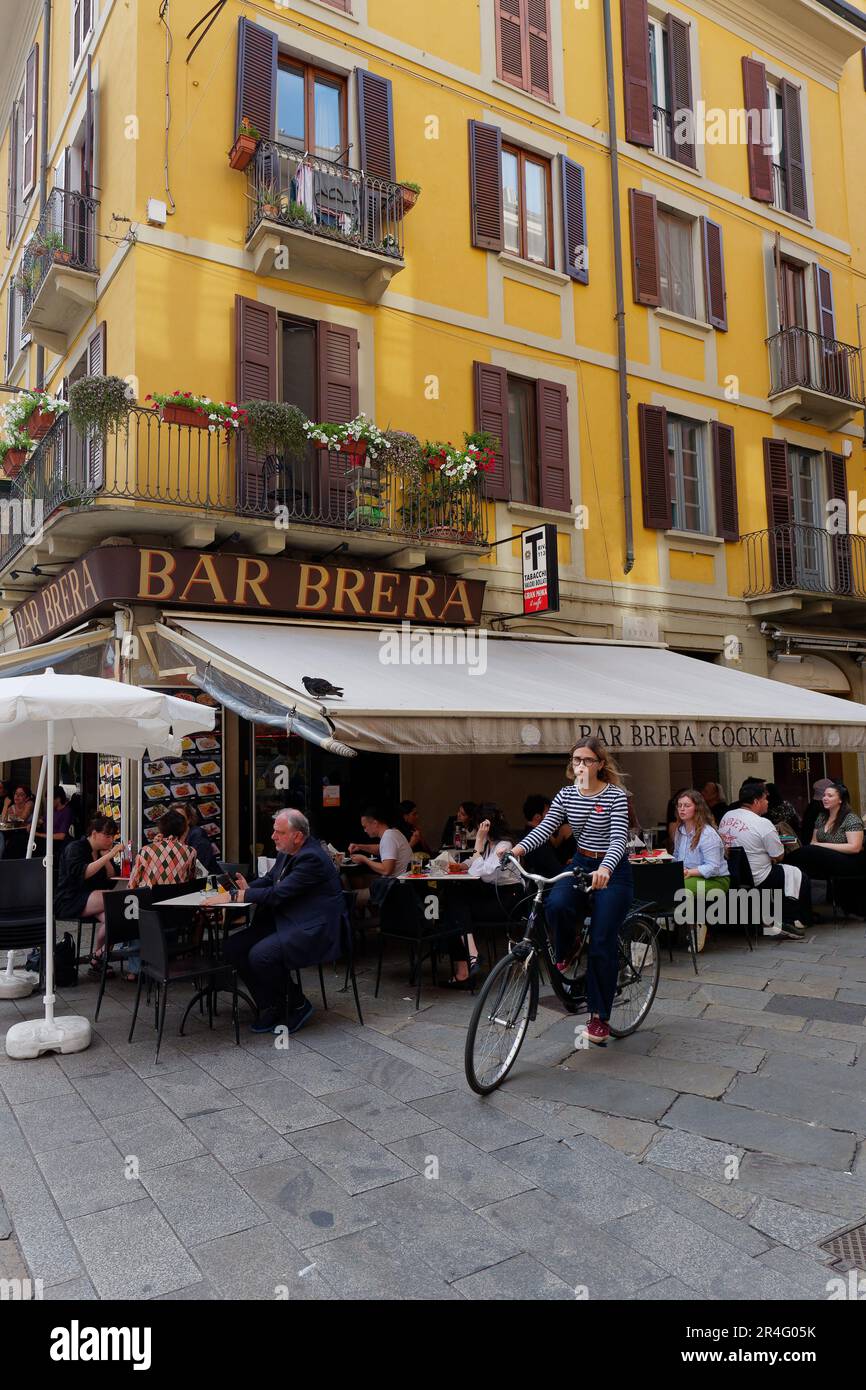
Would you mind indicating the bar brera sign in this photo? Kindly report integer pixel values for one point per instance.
(241, 584)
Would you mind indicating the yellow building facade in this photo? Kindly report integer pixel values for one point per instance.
(687, 442)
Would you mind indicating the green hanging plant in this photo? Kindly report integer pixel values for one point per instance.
(273, 427)
(99, 403)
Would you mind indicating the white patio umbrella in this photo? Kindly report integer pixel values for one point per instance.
(49, 714)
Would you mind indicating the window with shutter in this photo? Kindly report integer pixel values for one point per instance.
(780, 512)
(82, 23)
(523, 45)
(255, 380)
(794, 159)
(725, 471)
(11, 180)
(840, 543)
(636, 72)
(96, 366)
(655, 467)
(576, 251)
(689, 482)
(338, 403)
(485, 185)
(256, 88)
(683, 135)
(526, 203)
(31, 89)
(835, 368)
(756, 100)
(676, 264)
(644, 248)
(510, 46)
(491, 414)
(538, 27)
(553, 465)
(714, 275)
(376, 124)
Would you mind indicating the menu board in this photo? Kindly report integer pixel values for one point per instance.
(110, 787)
(193, 777)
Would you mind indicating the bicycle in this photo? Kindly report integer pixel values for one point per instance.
(508, 1001)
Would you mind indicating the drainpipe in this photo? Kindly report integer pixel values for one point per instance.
(622, 358)
(43, 162)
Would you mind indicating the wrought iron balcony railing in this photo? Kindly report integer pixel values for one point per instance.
(780, 187)
(663, 132)
(324, 199)
(804, 558)
(64, 236)
(182, 467)
(801, 358)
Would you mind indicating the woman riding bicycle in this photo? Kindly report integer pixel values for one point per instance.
(596, 808)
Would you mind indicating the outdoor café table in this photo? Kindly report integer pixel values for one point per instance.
(16, 837)
(193, 900)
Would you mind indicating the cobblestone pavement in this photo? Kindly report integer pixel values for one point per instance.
(703, 1158)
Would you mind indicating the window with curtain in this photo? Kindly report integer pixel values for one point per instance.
(676, 263)
(690, 492)
(522, 440)
(526, 205)
(311, 111)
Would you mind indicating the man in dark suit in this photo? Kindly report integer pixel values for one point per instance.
(299, 910)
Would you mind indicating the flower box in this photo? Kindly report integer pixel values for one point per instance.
(13, 462)
(353, 448)
(242, 151)
(181, 415)
(40, 423)
(409, 197)
(62, 256)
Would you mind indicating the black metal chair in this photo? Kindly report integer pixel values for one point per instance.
(740, 871)
(402, 919)
(162, 969)
(656, 887)
(22, 908)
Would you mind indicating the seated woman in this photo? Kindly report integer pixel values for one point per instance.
(198, 839)
(62, 818)
(467, 818)
(409, 825)
(836, 850)
(167, 859)
(395, 855)
(699, 848)
(782, 813)
(491, 900)
(86, 870)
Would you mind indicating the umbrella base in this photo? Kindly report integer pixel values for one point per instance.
(17, 985)
(35, 1036)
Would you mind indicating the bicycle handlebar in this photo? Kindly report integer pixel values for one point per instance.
(580, 874)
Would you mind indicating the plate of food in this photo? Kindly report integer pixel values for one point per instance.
(153, 813)
(157, 791)
(207, 788)
(208, 810)
(187, 745)
(206, 743)
(208, 769)
(182, 790)
(151, 833)
(159, 768)
(115, 791)
(182, 769)
(212, 829)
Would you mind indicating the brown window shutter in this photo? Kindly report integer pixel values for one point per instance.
(681, 90)
(96, 366)
(725, 470)
(491, 413)
(644, 248)
(840, 543)
(10, 177)
(795, 160)
(637, 92)
(338, 402)
(255, 380)
(655, 468)
(256, 92)
(87, 178)
(10, 323)
(31, 91)
(756, 99)
(835, 366)
(553, 465)
(714, 274)
(824, 295)
(375, 124)
(511, 46)
(780, 512)
(574, 219)
(485, 185)
(538, 25)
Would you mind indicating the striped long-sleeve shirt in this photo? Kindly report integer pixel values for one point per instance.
(599, 823)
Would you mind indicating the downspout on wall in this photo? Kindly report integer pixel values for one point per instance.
(622, 357)
(43, 160)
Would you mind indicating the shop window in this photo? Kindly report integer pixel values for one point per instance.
(690, 490)
(526, 200)
(311, 111)
(676, 263)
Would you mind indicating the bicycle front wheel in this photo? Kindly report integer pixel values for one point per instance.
(638, 975)
(499, 1022)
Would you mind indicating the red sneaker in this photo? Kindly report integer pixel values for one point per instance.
(597, 1031)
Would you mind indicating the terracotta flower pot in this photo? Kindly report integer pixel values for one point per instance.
(13, 462)
(62, 257)
(242, 151)
(40, 423)
(182, 415)
(444, 533)
(410, 198)
(352, 449)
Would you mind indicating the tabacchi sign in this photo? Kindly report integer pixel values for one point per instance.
(241, 583)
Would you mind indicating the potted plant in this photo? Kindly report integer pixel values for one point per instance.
(409, 193)
(13, 451)
(53, 242)
(447, 469)
(273, 427)
(269, 200)
(357, 439)
(99, 403)
(295, 212)
(199, 412)
(37, 410)
(244, 147)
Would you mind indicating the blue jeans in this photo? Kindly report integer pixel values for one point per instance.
(567, 906)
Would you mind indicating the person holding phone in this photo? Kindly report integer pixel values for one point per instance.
(596, 808)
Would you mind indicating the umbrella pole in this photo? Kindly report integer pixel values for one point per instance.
(48, 766)
(36, 804)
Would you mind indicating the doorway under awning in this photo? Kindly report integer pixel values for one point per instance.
(428, 691)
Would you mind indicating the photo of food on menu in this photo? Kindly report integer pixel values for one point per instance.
(194, 777)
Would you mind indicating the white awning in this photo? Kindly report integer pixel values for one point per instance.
(26, 660)
(422, 691)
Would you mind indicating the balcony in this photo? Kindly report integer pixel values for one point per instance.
(815, 379)
(58, 270)
(319, 221)
(804, 569)
(663, 132)
(190, 487)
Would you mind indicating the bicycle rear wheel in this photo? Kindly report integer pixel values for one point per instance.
(638, 980)
(499, 1022)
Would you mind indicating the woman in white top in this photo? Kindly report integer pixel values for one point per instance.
(698, 847)
(488, 901)
(395, 855)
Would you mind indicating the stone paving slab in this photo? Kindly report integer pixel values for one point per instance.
(679, 1149)
(112, 1093)
(811, 1188)
(790, 1225)
(597, 1191)
(132, 1252)
(437, 1228)
(84, 1178)
(261, 1263)
(727, 1196)
(57, 1121)
(200, 1201)
(769, 1134)
(238, 1138)
(284, 1105)
(800, 1044)
(40, 1080)
(763, 1018)
(519, 1278)
(829, 1009)
(376, 1264)
(302, 1201)
(615, 1060)
(629, 1136)
(733, 997)
(834, 1076)
(154, 1136)
(352, 1159)
(678, 1246)
(190, 1091)
(580, 1087)
(471, 1175)
(379, 1115)
(733, 1056)
(794, 1098)
(473, 1118)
